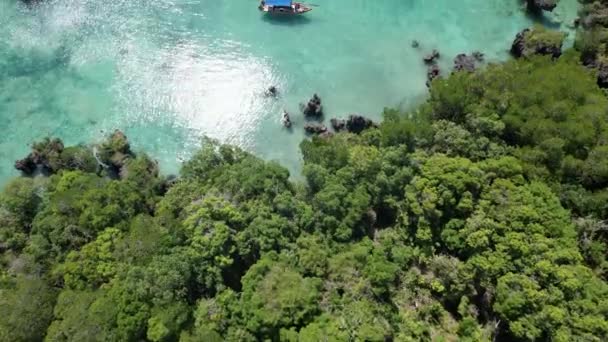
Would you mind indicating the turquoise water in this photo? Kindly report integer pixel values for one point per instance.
(170, 71)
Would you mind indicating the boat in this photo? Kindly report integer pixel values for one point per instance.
(283, 7)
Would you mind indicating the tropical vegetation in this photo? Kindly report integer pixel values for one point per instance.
(479, 216)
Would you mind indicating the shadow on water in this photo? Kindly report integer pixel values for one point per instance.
(286, 20)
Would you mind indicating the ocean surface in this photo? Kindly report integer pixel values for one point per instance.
(168, 72)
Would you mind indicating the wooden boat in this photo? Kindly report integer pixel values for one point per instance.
(283, 7)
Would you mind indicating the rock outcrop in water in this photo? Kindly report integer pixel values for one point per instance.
(354, 124)
(432, 57)
(593, 38)
(43, 157)
(479, 56)
(315, 128)
(286, 119)
(49, 156)
(539, 41)
(464, 62)
(272, 91)
(115, 151)
(541, 5)
(313, 109)
(602, 75)
(432, 72)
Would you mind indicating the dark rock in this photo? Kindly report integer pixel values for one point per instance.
(326, 135)
(602, 76)
(415, 44)
(354, 124)
(272, 91)
(538, 41)
(286, 120)
(518, 47)
(315, 128)
(26, 165)
(338, 124)
(463, 62)
(313, 108)
(432, 57)
(115, 152)
(589, 60)
(49, 156)
(78, 157)
(168, 183)
(358, 123)
(541, 5)
(45, 156)
(479, 56)
(593, 22)
(432, 73)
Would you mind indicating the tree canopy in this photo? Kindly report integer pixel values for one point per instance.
(479, 216)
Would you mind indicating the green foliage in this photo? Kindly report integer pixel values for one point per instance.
(94, 264)
(26, 308)
(540, 37)
(19, 203)
(275, 296)
(166, 322)
(79, 206)
(549, 114)
(77, 158)
(478, 217)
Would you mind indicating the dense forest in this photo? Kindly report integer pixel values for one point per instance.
(479, 216)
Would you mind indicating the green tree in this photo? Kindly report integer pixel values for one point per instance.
(26, 309)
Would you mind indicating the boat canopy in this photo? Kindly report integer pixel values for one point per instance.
(278, 3)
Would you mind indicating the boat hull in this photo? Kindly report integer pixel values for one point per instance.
(295, 9)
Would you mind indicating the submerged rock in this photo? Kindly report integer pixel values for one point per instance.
(415, 44)
(31, 2)
(537, 41)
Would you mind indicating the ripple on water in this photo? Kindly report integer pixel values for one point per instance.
(169, 72)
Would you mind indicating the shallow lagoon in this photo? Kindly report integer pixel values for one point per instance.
(168, 72)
